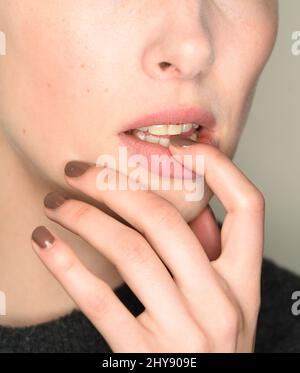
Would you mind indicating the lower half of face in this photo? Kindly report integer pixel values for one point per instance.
(76, 77)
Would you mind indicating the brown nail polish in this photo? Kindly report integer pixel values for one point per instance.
(53, 200)
(182, 142)
(76, 168)
(42, 237)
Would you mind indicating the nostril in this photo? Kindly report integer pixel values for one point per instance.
(164, 65)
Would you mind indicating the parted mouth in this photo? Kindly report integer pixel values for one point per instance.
(157, 128)
(161, 133)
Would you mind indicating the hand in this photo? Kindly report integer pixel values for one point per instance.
(207, 306)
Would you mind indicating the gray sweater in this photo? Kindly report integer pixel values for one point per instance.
(278, 329)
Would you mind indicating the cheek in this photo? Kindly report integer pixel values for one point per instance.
(50, 70)
(44, 96)
(243, 55)
(57, 90)
(242, 51)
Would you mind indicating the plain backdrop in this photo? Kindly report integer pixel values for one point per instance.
(269, 151)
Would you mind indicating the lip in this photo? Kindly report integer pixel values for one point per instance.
(136, 146)
(195, 115)
(148, 150)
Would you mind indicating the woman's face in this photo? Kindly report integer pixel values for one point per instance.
(77, 71)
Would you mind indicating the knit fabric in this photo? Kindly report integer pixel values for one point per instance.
(278, 329)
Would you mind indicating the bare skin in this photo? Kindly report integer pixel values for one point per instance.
(47, 103)
(175, 306)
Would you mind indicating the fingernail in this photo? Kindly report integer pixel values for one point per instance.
(53, 200)
(181, 142)
(76, 168)
(42, 237)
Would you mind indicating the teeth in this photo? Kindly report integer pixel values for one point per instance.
(163, 141)
(154, 134)
(174, 129)
(141, 135)
(158, 130)
(186, 127)
(193, 137)
(168, 129)
(153, 139)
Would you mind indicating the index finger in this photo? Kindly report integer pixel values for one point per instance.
(242, 233)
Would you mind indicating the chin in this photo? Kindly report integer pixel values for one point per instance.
(188, 209)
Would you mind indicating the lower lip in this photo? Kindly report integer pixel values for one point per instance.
(136, 146)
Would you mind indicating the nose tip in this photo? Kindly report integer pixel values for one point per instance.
(185, 57)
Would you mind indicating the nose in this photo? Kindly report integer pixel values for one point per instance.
(183, 48)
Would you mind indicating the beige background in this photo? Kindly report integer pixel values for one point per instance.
(269, 151)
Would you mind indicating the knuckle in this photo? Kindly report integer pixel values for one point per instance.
(199, 343)
(255, 201)
(63, 263)
(229, 323)
(66, 266)
(136, 250)
(99, 302)
(77, 211)
(259, 201)
(165, 213)
(196, 340)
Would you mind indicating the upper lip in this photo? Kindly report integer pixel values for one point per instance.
(195, 115)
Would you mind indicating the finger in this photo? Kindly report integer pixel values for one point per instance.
(93, 296)
(128, 250)
(172, 239)
(208, 233)
(243, 227)
(160, 223)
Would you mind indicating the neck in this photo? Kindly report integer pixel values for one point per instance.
(32, 294)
